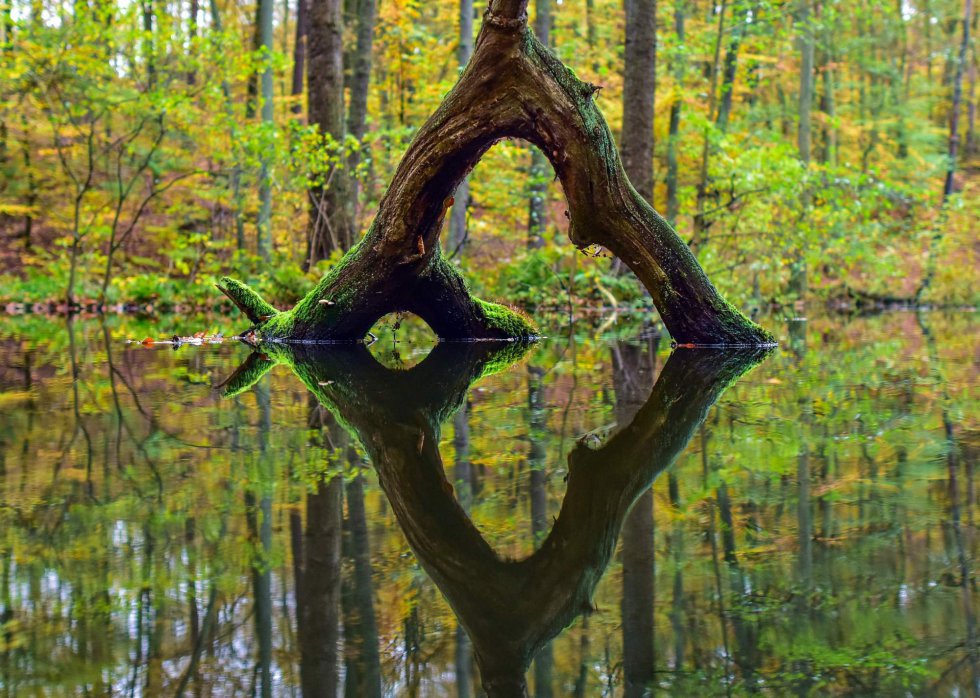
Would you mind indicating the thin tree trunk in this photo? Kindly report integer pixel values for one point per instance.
(828, 101)
(954, 115)
(675, 117)
(970, 146)
(639, 90)
(195, 10)
(148, 44)
(357, 117)
(700, 222)
(252, 86)
(798, 276)
(806, 80)
(329, 227)
(264, 228)
(461, 201)
(32, 192)
(739, 17)
(299, 54)
(236, 171)
(537, 219)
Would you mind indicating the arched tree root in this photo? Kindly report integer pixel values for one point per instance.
(513, 87)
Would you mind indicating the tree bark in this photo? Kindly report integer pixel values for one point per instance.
(299, 53)
(329, 228)
(700, 220)
(357, 112)
(513, 87)
(675, 117)
(954, 114)
(639, 90)
(806, 80)
(264, 228)
(461, 202)
(739, 17)
(537, 216)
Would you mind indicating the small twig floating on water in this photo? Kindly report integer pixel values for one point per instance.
(197, 339)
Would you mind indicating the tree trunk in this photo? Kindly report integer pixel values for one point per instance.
(263, 238)
(639, 90)
(329, 227)
(299, 53)
(970, 144)
(675, 118)
(954, 114)
(538, 173)
(513, 87)
(806, 80)
(461, 202)
(700, 221)
(195, 10)
(739, 16)
(149, 50)
(797, 281)
(357, 116)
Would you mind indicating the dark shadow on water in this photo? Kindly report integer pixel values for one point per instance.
(509, 609)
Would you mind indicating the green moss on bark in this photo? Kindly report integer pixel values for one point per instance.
(502, 319)
(248, 300)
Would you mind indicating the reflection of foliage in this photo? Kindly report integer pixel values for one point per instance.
(862, 399)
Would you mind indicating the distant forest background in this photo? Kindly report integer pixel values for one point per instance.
(807, 149)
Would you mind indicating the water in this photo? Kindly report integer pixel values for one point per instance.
(305, 528)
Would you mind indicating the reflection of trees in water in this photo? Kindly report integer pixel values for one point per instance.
(634, 367)
(511, 610)
(158, 521)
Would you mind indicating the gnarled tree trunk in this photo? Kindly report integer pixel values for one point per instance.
(513, 87)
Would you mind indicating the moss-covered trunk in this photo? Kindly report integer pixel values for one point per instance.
(513, 87)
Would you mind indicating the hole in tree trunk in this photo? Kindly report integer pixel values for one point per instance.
(404, 339)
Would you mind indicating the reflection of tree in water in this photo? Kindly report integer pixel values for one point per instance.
(510, 609)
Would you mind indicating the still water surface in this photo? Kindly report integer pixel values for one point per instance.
(425, 521)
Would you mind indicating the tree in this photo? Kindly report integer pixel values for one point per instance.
(797, 281)
(329, 228)
(264, 229)
(537, 215)
(639, 91)
(299, 53)
(955, 107)
(673, 134)
(398, 266)
(461, 202)
(357, 116)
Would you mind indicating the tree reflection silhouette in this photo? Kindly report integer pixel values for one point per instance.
(510, 609)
